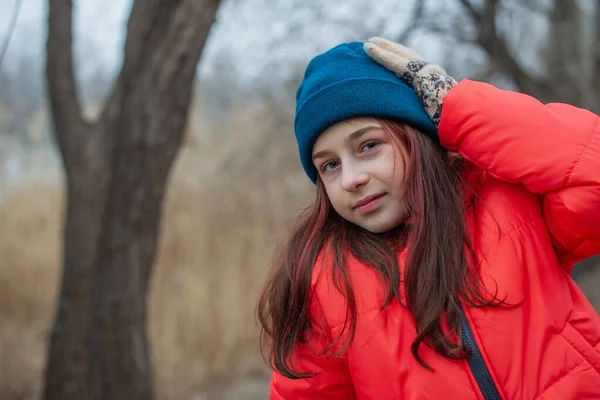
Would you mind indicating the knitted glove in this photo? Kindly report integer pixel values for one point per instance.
(431, 82)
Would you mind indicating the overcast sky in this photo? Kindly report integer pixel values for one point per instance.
(254, 32)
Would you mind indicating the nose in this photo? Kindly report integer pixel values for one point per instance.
(353, 178)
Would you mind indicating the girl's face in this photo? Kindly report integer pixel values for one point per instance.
(363, 170)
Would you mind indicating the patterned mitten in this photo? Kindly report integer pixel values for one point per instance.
(431, 82)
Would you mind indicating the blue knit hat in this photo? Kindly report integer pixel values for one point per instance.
(345, 82)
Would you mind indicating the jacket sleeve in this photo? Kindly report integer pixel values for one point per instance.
(331, 380)
(552, 149)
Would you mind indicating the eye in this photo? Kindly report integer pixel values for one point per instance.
(369, 145)
(330, 166)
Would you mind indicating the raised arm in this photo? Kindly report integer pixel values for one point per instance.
(553, 149)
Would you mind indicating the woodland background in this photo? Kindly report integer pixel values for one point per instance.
(236, 181)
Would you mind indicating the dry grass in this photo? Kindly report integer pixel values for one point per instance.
(29, 249)
(226, 207)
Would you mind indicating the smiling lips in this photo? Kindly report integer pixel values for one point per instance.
(369, 203)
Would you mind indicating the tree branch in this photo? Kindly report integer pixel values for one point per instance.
(532, 6)
(147, 23)
(160, 63)
(564, 63)
(160, 52)
(471, 10)
(11, 29)
(415, 22)
(60, 79)
(191, 23)
(457, 34)
(487, 21)
(499, 53)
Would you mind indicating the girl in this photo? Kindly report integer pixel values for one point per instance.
(435, 260)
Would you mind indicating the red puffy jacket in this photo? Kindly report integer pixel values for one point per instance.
(538, 212)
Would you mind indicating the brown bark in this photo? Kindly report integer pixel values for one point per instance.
(117, 169)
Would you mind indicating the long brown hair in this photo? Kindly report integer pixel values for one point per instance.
(437, 274)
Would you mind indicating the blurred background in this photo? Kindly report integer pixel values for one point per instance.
(236, 181)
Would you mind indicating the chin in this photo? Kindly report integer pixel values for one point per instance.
(381, 226)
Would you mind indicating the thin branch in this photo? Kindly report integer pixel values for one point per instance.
(532, 6)
(473, 13)
(499, 53)
(456, 34)
(11, 29)
(563, 58)
(487, 34)
(415, 22)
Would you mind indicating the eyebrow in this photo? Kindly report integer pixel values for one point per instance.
(354, 136)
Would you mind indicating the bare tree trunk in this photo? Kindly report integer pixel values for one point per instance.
(67, 368)
(117, 169)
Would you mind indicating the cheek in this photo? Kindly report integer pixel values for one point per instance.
(339, 202)
(400, 166)
(392, 168)
(333, 196)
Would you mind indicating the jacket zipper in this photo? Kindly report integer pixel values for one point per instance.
(477, 364)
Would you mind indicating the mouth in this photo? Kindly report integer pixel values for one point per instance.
(369, 203)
